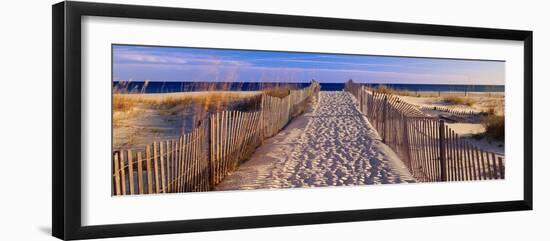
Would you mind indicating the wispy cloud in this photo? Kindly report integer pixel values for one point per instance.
(286, 74)
(195, 64)
(149, 58)
(124, 56)
(331, 62)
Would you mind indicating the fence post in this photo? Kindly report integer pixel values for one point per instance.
(262, 117)
(362, 95)
(442, 158)
(208, 146)
(406, 137)
(367, 103)
(384, 110)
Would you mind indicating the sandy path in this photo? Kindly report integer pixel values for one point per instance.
(331, 144)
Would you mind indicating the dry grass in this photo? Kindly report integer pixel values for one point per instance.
(280, 92)
(385, 90)
(446, 94)
(130, 111)
(388, 90)
(491, 111)
(456, 100)
(126, 99)
(494, 127)
(125, 102)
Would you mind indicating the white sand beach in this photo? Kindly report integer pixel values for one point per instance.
(465, 126)
(481, 101)
(332, 144)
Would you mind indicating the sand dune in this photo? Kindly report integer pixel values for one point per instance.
(332, 144)
(482, 102)
(162, 116)
(472, 125)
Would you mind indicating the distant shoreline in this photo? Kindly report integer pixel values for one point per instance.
(171, 87)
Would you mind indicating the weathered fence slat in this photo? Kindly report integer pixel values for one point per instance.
(162, 167)
(117, 174)
(200, 159)
(169, 165)
(122, 173)
(140, 173)
(495, 167)
(501, 167)
(429, 148)
(131, 171)
(156, 166)
(148, 166)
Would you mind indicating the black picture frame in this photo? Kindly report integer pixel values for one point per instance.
(66, 152)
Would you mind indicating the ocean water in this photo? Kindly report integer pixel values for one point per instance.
(443, 88)
(168, 87)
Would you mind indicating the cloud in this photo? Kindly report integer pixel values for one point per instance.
(126, 56)
(193, 64)
(149, 58)
(275, 74)
(330, 62)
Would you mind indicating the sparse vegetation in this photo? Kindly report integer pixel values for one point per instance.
(125, 102)
(122, 103)
(491, 111)
(494, 127)
(388, 90)
(126, 99)
(138, 116)
(385, 89)
(127, 107)
(279, 92)
(456, 100)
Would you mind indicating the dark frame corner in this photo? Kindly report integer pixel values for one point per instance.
(66, 127)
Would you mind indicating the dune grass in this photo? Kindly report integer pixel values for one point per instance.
(125, 102)
(126, 98)
(494, 127)
(384, 89)
(456, 100)
(280, 92)
(133, 109)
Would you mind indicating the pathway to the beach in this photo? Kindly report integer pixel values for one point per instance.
(330, 144)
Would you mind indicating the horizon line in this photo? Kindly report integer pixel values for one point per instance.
(298, 82)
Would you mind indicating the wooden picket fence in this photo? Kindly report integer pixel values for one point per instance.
(234, 135)
(276, 112)
(460, 113)
(172, 166)
(429, 148)
(200, 159)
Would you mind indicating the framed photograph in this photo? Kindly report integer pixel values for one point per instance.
(170, 120)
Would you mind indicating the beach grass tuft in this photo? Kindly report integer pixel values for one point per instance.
(457, 100)
(384, 89)
(279, 92)
(122, 103)
(125, 102)
(494, 127)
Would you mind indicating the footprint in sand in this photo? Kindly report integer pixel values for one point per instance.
(335, 146)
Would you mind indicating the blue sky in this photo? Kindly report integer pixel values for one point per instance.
(139, 63)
